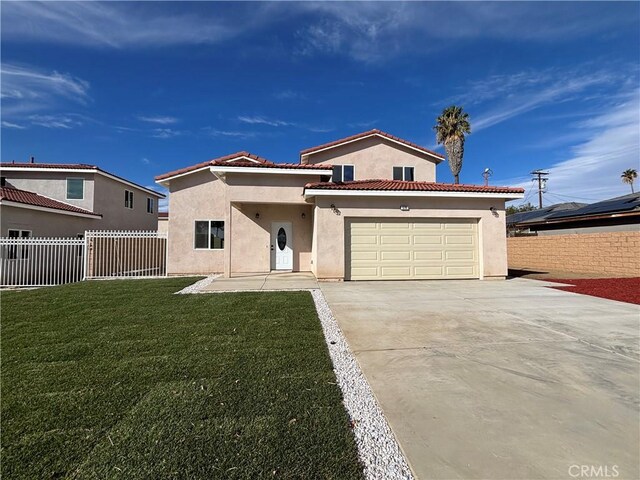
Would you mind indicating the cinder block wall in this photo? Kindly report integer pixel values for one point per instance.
(610, 253)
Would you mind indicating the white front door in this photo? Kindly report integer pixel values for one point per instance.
(281, 246)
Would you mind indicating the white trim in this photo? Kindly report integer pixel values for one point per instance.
(413, 170)
(126, 199)
(438, 159)
(282, 171)
(163, 181)
(153, 205)
(252, 160)
(310, 192)
(16, 168)
(67, 186)
(342, 165)
(9, 203)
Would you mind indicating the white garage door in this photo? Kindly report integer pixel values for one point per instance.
(384, 249)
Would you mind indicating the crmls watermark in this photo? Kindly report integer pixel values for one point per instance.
(594, 471)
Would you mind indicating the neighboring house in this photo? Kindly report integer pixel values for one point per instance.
(517, 223)
(27, 214)
(108, 202)
(366, 207)
(163, 222)
(618, 214)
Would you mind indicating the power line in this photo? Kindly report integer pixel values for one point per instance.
(570, 196)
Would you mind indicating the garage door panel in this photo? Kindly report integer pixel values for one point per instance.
(423, 249)
(427, 239)
(428, 255)
(390, 255)
(364, 240)
(395, 240)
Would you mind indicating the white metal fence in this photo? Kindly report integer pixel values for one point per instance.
(125, 254)
(34, 262)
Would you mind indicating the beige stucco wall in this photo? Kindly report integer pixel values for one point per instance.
(374, 158)
(331, 227)
(52, 184)
(250, 244)
(163, 225)
(109, 201)
(43, 224)
(202, 196)
(199, 196)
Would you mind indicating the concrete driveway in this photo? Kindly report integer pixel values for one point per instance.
(499, 379)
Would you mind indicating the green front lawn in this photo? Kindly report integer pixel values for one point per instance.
(123, 379)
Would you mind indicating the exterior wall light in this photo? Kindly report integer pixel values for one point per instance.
(257, 215)
(404, 208)
(304, 215)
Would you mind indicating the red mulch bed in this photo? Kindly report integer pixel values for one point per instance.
(620, 289)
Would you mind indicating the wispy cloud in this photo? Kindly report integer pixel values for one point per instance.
(363, 124)
(161, 120)
(165, 133)
(12, 125)
(259, 120)
(126, 24)
(214, 132)
(56, 121)
(26, 89)
(592, 169)
(514, 94)
(146, 161)
(289, 95)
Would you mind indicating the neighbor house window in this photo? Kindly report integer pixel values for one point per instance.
(18, 251)
(403, 173)
(75, 188)
(149, 205)
(209, 234)
(128, 199)
(342, 173)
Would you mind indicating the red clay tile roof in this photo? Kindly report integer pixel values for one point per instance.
(228, 161)
(163, 214)
(366, 134)
(77, 166)
(30, 198)
(400, 185)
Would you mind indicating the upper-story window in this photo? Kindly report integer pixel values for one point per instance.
(403, 173)
(128, 199)
(342, 173)
(150, 205)
(75, 188)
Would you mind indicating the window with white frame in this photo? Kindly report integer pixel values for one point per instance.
(18, 251)
(75, 188)
(150, 205)
(128, 199)
(403, 173)
(209, 235)
(343, 173)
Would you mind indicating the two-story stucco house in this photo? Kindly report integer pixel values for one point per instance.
(366, 207)
(61, 200)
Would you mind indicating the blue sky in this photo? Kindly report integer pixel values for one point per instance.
(141, 88)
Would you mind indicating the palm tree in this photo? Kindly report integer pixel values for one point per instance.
(451, 126)
(629, 176)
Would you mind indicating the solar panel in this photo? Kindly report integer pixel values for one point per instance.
(625, 203)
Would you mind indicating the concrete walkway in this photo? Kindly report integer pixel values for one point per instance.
(498, 379)
(263, 281)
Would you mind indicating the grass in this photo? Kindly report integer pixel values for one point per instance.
(123, 379)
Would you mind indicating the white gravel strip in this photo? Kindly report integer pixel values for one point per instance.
(378, 449)
(198, 286)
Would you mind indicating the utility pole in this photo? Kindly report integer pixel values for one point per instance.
(542, 183)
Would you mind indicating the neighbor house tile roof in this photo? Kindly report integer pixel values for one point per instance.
(163, 214)
(228, 161)
(400, 185)
(31, 198)
(367, 134)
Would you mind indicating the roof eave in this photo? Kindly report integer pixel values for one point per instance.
(10, 203)
(316, 192)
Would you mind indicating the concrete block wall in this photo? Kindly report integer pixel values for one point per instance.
(610, 253)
